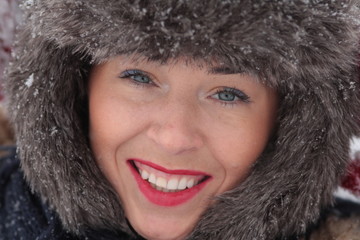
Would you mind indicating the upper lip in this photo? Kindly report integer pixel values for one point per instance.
(172, 171)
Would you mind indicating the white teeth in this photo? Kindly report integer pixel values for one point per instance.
(172, 184)
(161, 182)
(144, 174)
(166, 182)
(182, 183)
(152, 178)
(190, 183)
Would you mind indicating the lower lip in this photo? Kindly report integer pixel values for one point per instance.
(166, 199)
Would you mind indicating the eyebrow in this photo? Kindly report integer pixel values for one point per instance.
(223, 70)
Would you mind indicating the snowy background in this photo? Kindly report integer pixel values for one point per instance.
(10, 15)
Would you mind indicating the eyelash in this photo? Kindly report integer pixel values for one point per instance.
(130, 74)
(242, 97)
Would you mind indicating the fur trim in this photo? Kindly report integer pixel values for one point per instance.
(307, 50)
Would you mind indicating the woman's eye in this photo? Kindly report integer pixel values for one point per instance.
(226, 96)
(137, 76)
(141, 78)
(231, 95)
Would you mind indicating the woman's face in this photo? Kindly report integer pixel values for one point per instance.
(171, 137)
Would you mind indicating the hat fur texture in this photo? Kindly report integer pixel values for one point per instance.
(306, 49)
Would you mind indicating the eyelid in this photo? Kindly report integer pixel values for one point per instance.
(238, 93)
(132, 72)
(129, 73)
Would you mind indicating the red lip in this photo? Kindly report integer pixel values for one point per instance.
(180, 171)
(167, 199)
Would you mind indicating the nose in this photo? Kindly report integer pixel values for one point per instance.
(175, 128)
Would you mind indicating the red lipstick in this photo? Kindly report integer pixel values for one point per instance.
(167, 199)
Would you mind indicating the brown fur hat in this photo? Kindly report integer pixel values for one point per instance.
(306, 49)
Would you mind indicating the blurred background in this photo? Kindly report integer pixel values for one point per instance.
(10, 16)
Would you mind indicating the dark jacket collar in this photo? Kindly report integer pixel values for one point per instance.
(23, 215)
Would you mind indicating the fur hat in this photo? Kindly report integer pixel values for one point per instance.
(305, 49)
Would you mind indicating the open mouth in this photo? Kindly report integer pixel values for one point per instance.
(167, 187)
(166, 182)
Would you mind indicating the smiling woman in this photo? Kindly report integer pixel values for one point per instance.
(172, 120)
(186, 136)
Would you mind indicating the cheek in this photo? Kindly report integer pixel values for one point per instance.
(112, 121)
(237, 148)
(111, 124)
(104, 122)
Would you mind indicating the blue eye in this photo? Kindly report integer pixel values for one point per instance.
(229, 95)
(141, 79)
(226, 96)
(138, 77)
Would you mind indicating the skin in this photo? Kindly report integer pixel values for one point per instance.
(179, 120)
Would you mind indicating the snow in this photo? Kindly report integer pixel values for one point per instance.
(36, 92)
(30, 80)
(53, 131)
(29, 2)
(345, 194)
(354, 147)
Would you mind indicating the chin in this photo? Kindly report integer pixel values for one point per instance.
(160, 234)
(162, 230)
